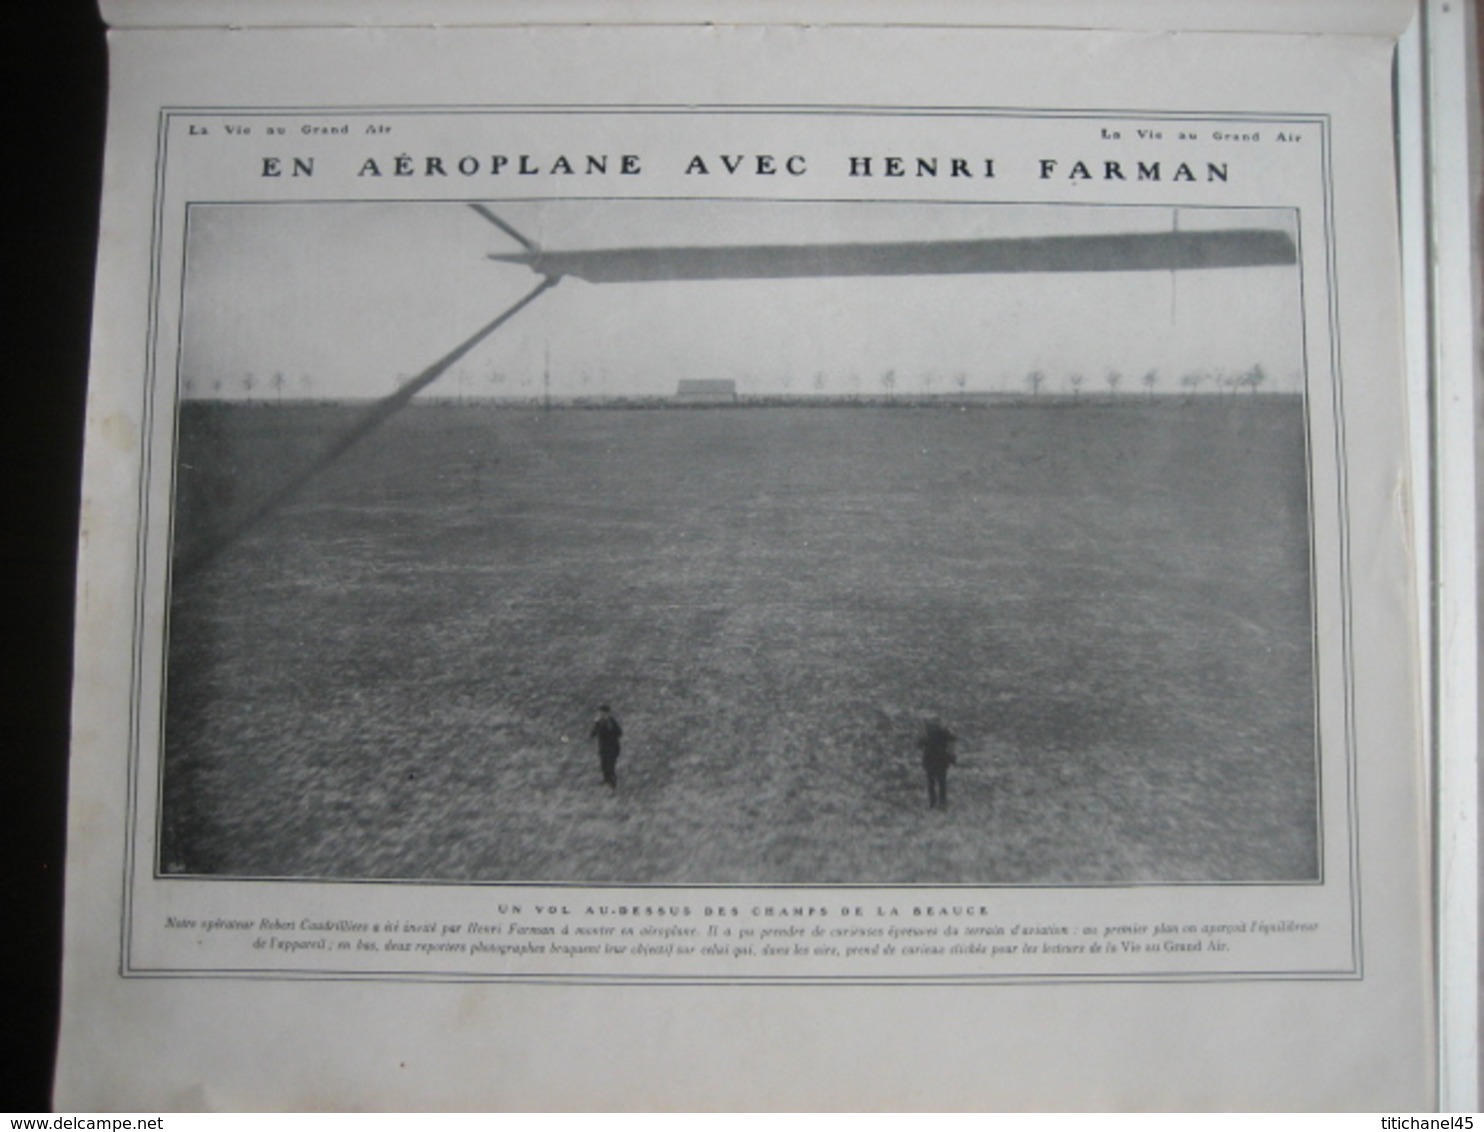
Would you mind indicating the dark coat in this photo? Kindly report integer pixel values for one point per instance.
(607, 732)
(937, 747)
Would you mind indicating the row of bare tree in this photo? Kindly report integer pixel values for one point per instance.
(927, 384)
(1191, 383)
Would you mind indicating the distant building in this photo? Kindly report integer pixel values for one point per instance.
(699, 390)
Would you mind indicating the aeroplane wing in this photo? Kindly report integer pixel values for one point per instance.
(1142, 251)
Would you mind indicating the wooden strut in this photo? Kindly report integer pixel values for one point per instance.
(375, 416)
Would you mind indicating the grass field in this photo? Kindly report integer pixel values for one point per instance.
(395, 675)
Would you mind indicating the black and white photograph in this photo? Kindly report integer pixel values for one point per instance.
(741, 542)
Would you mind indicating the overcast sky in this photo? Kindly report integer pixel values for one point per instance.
(346, 299)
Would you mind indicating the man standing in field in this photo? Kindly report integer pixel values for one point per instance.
(937, 756)
(607, 732)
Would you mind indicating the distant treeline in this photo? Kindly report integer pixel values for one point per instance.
(756, 401)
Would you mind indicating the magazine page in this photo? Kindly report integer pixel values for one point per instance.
(749, 568)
